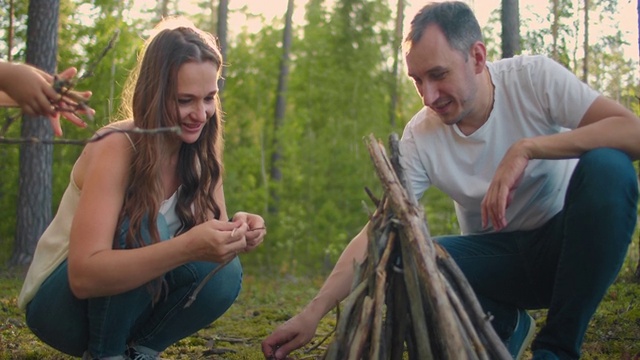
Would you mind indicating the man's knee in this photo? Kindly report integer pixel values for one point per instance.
(606, 171)
(607, 162)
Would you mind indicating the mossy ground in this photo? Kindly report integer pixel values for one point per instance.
(268, 299)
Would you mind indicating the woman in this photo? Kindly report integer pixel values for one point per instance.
(144, 220)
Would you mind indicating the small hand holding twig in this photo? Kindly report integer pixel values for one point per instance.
(261, 230)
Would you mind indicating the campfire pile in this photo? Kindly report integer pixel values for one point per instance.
(409, 296)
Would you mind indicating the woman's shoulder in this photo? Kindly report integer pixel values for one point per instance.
(109, 147)
(117, 125)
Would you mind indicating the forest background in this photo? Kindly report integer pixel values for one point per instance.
(301, 90)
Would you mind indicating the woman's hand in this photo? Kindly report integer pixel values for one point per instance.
(218, 241)
(256, 228)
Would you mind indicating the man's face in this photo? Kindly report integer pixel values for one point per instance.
(444, 77)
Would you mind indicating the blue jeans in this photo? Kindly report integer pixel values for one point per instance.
(107, 325)
(566, 265)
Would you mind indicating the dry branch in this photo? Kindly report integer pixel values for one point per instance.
(417, 299)
(94, 138)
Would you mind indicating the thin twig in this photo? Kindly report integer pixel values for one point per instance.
(314, 347)
(90, 70)
(215, 270)
(72, 101)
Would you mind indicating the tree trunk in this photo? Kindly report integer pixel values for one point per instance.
(585, 61)
(397, 42)
(163, 9)
(10, 32)
(281, 104)
(36, 160)
(638, 11)
(223, 15)
(555, 27)
(510, 15)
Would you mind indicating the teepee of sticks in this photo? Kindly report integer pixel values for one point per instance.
(408, 296)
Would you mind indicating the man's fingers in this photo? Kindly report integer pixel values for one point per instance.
(268, 349)
(284, 350)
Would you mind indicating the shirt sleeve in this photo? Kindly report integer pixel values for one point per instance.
(561, 93)
(411, 162)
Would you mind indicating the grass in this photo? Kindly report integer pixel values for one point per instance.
(265, 302)
(268, 299)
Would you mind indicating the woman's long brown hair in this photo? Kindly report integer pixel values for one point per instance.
(154, 104)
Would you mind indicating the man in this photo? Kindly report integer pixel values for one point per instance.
(538, 165)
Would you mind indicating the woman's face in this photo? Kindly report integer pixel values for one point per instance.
(197, 87)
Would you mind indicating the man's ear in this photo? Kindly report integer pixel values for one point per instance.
(478, 55)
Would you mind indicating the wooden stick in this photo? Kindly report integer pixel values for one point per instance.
(379, 296)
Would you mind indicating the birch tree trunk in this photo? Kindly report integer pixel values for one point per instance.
(281, 105)
(510, 15)
(555, 28)
(585, 60)
(221, 31)
(397, 42)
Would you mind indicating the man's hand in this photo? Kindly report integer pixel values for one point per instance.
(503, 185)
(291, 335)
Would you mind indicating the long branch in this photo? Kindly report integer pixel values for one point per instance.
(96, 137)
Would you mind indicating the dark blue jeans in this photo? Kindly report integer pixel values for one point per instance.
(107, 325)
(565, 266)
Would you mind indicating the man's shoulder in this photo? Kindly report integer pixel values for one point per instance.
(519, 63)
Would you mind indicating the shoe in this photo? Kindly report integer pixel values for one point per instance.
(542, 354)
(136, 355)
(522, 335)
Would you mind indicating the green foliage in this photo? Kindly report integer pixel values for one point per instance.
(338, 92)
(105, 67)
(8, 187)
(20, 28)
(335, 98)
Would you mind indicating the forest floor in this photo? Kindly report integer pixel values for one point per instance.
(269, 299)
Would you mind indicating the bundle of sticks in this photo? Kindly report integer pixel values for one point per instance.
(408, 296)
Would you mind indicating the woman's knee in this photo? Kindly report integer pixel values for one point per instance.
(69, 337)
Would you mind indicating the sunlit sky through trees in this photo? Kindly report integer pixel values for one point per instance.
(625, 18)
